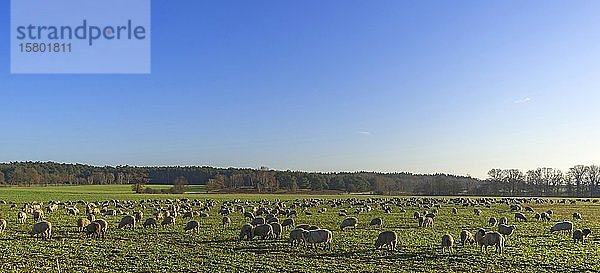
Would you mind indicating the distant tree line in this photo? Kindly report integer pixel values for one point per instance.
(578, 181)
(581, 181)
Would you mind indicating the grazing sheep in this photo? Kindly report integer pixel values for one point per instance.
(296, 237)
(203, 215)
(388, 239)
(192, 225)
(427, 222)
(466, 237)
(421, 219)
(304, 226)
(138, 215)
(127, 221)
(248, 215)
(226, 221)
(520, 216)
(276, 230)
(38, 215)
(2, 225)
(289, 222)
(110, 212)
(349, 222)
(503, 220)
(545, 217)
(515, 208)
(537, 216)
(103, 226)
(258, 221)
(21, 217)
(377, 222)
(477, 212)
(169, 220)
(189, 214)
(562, 227)
(44, 228)
(93, 229)
(246, 231)
(506, 230)
(72, 211)
(150, 222)
(579, 235)
(576, 216)
(485, 239)
(314, 237)
(416, 215)
(549, 212)
(447, 243)
(82, 223)
(492, 222)
(530, 209)
(263, 231)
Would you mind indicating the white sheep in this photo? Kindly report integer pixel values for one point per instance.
(263, 231)
(297, 237)
(466, 237)
(579, 235)
(318, 236)
(447, 243)
(485, 239)
(103, 226)
(520, 216)
(388, 239)
(349, 222)
(289, 222)
(376, 222)
(21, 217)
(192, 225)
(44, 228)
(428, 222)
(506, 230)
(276, 230)
(127, 221)
(2, 225)
(562, 227)
(82, 223)
(169, 220)
(93, 229)
(150, 222)
(246, 231)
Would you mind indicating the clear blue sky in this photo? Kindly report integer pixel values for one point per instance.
(420, 86)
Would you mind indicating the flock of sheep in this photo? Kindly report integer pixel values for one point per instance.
(269, 219)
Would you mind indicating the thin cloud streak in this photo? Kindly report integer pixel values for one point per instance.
(523, 100)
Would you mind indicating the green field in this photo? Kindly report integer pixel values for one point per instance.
(531, 248)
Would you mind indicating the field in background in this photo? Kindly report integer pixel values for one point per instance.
(531, 248)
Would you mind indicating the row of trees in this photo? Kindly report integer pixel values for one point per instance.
(231, 179)
(579, 181)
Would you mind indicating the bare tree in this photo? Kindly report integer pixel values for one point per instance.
(577, 175)
(592, 177)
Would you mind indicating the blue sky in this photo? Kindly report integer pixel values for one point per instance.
(421, 86)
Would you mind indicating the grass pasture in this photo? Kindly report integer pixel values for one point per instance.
(216, 249)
